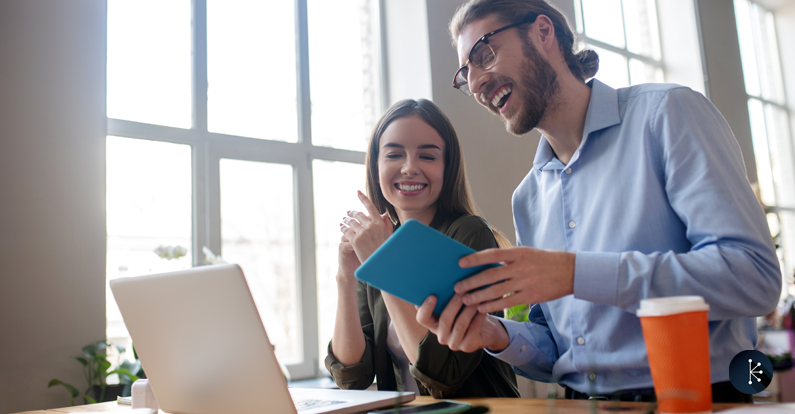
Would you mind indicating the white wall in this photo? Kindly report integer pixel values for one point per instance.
(681, 48)
(408, 58)
(52, 195)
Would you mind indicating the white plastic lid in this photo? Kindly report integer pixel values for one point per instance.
(671, 305)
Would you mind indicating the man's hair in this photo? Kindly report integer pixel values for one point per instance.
(584, 63)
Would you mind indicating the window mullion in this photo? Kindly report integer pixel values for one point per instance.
(620, 51)
(626, 43)
(206, 219)
(202, 228)
(305, 208)
(200, 66)
(132, 129)
(302, 67)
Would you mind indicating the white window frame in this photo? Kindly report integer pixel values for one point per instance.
(209, 148)
(578, 14)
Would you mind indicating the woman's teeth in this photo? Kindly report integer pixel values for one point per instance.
(499, 95)
(416, 187)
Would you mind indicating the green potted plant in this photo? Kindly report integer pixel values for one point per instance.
(96, 369)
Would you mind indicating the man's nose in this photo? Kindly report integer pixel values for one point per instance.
(477, 79)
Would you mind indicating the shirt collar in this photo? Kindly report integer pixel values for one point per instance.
(602, 113)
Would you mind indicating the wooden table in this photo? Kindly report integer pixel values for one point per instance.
(496, 406)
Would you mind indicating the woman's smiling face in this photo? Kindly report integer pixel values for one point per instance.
(411, 168)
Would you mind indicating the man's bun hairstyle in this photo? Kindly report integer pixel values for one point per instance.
(584, 63)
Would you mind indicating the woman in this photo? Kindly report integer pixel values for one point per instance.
(414, 171)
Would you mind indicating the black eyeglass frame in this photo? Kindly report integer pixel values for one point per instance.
(485, 39)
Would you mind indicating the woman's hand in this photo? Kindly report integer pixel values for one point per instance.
(366, 233)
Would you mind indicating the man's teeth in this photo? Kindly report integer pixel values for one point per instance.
(504, 91)
(410, 187)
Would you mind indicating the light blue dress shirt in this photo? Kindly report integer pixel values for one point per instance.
(655, 202)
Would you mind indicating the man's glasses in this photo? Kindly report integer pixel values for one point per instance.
(482, 56)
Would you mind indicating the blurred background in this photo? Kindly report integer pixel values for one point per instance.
(146, 136)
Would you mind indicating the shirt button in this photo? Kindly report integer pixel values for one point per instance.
(568, 170)
(581, 340)
(572, 224)
(523, 347)
(592, 376)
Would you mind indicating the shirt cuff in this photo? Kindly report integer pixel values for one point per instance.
(521, 347)
(596, 277)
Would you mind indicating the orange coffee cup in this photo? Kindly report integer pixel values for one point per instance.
(677, 343)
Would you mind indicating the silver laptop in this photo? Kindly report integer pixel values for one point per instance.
(204, 349)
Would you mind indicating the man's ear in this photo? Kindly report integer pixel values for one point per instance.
(544, 31)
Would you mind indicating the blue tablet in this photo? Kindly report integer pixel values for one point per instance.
(416, 262)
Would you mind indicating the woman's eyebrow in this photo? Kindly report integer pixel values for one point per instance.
(424, 146)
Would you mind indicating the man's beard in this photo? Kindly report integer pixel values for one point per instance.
(540, 85)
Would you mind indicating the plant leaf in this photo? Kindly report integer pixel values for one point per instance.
(89, 399)
(82, 361)
(72, 390)
(134, 367)
(91, 350)
(124, 372)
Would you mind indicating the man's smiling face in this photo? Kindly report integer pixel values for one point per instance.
(521, 85)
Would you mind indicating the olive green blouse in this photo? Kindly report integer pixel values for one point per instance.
(439, 372)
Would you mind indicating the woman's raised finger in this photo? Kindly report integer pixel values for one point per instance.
(368, 205)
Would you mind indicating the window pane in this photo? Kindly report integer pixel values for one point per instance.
(258, 233)
(335, 185)
(770, 67)
(251, 69)
(747, 51)
(603, 21)
(149, 61)
(640, 18)
(612, 68)
(781, 154)
(764, 171)
(640, 72)
(344, 72)
(148, 206)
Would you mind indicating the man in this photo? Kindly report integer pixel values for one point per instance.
(634, 193)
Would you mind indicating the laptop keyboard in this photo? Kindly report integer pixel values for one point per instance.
(308, 404)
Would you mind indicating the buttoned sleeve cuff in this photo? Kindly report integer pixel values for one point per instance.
(596, 277)
(522, 341)
(530, 354)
